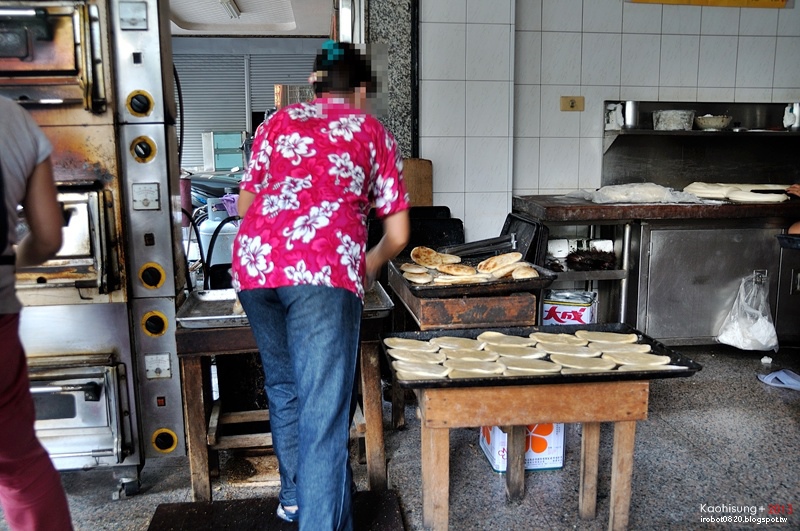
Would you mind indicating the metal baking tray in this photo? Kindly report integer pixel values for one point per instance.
(676, 358)
(789, 241)
(214, 308)
(502, 286)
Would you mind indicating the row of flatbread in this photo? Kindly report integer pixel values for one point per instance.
(740, 193)
(496, 354)
(434, 267)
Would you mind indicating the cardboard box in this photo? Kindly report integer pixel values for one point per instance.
(544, 447)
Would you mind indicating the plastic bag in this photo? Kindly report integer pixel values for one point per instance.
(635, 193)
(748, 325)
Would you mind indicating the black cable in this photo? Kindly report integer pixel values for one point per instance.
(199, 248)
(180, 114)
(207, 272)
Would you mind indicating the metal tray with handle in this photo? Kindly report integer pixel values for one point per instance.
(676, 358)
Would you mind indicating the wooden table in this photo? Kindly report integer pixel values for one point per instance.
(203, 418)
(441, 409)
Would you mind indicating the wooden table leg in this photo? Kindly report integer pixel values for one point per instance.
(435, 457)
(590, 452)
(373, 415)
(515, 462)
(398, 405)
(194, 406)
(621, 474)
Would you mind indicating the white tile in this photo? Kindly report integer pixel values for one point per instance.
(677, 93)
(489, 52)
(601, 58)
(633, 93)
(443, 11)
(455, 201)
(715, 94)
(720, 21)
(641, 56)
(554, 122)
(561, 58)
(602, 16)
(447, 154)
(681, 20)
(559, 163)
(641, 18)
(591, 163)
(562, 15)
(562, 231)
(442, 54)
(442, 108)
(521, 192)
(789, 21)
(780, 95)
(528, 15)
(485, 215)
(717, 67)
(489, 11)
(528, 57)
(527, 110)
(488, 108)
(679, 59)
(753, 95)
(787, 63)
(487, 165)
(593, 117)
(759, 22)
(526, 163)
(755, 62)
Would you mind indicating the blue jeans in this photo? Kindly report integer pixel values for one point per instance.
(308, 340)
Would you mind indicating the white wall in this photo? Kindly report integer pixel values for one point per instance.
(599, 49)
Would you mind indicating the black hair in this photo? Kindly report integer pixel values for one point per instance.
(340, 68)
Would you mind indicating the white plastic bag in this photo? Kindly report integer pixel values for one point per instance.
(748, 325)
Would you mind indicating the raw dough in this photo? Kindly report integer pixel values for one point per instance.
(469, 354)
(635, 358)
(498, 338)
(410, 344)
(531, 366)
(566, 339)
(569, 350)
(430, 370)
(606, 337)
(579, 362)
(650, 368)
(482, 367)
(457, 342)
(511, 351)
(619, 347)
(417, 356)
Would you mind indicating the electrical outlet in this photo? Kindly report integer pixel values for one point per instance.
(572, 103)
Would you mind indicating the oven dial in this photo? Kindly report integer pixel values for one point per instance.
(154, 323)
(164, 440)
(140, 103)
(143, 149)
(152, 275)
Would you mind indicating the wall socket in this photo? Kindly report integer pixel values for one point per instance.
(572, 103)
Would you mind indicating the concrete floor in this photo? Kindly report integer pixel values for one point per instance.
(720, 437)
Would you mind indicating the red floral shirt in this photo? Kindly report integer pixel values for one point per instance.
(315, 169)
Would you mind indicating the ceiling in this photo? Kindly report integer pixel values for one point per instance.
(279, 18)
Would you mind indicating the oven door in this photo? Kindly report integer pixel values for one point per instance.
(79, 412)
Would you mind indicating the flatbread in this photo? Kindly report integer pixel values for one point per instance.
(572, 370)
(495, 262)
(452, 279)
(566, 339)
(498, 338)
(237, 307)
(429, 370)
(635, 358)
(606, 337)
(458, 270)
(410, 344)
(449, 258)
(410, 377)
(524, 272)
(418, 278)
(506, 270)
(740, 196)
(619, 347)
(457, 342)
(416, 356)
(516, 372)
(413, 268)
(511, 351)
(569, 350)
(469, 354)
(626, 368)
(579, 362)
(481, 367)
(457, 375)
(528, 365)
(425, 256)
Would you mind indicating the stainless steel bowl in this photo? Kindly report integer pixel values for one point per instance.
(710, 122)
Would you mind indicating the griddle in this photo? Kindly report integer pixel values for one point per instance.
(789, 241)
(501, 286)
(676, 358)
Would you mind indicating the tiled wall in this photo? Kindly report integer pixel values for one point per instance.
(599, 49)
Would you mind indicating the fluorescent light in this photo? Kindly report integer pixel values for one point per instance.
(230, 8)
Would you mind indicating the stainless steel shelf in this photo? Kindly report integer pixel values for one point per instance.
(583, 276)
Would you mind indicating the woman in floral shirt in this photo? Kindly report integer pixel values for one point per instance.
(300, 268)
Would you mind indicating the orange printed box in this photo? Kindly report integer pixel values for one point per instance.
(544, 447)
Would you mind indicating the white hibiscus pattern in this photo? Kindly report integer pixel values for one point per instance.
(344, 168)
(304, 112)
(300, 274)
(287, 200)
(295, 147)
(305, 227)
(344, 127)
(253, 256)
(385, 193)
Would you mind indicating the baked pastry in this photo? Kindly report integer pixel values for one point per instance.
(413, 268)
(425, 256)
(459, 270)
(496, 262)
(524, 272)
(418, 278)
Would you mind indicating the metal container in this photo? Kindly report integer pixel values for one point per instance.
(631, 114)
(673, 120)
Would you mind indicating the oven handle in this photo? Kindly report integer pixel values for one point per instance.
(91, 390)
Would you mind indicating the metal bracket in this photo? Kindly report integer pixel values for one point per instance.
(760, 275)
